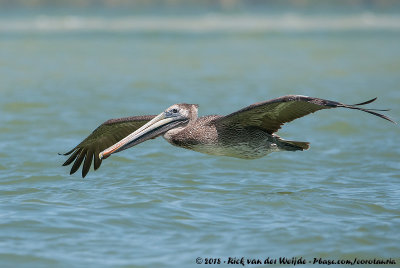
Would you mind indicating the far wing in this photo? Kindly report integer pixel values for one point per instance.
(272, 114)
(107, 134)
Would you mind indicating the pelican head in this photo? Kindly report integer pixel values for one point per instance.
(175, 116)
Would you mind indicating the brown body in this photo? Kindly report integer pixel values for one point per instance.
(204, 136)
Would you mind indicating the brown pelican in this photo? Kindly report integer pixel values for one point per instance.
(248, 133)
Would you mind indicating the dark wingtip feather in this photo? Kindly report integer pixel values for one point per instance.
(368, 102)
(365, 102)
(379, 115)
(97, 160)
(80, 156)
(78, 162)
(87, 163)
(370, 111)
(72, 157)
(67, 153)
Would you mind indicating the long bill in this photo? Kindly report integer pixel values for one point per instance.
(157, 126)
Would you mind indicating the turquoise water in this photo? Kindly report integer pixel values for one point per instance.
(160, 206)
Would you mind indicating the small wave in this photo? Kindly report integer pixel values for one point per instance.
(205, 23)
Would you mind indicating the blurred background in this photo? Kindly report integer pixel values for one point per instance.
(68, 66)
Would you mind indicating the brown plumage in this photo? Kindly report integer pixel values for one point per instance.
(247, 133)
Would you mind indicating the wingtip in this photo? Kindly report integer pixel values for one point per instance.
(366, 102)
(73, 171)
(67, 153)
(369, 110)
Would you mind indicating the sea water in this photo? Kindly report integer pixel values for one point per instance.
(62, 74)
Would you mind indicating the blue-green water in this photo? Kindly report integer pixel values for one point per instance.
(160, 206)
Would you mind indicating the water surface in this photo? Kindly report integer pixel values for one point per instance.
(160, 206)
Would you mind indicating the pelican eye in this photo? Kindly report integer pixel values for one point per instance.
(174, 111)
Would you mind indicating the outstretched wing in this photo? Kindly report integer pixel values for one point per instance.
(272, 114)
(107, 134)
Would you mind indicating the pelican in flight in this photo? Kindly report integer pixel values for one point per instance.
(248, 133)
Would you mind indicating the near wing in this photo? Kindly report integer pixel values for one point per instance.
(272, 114)
(107, 134)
